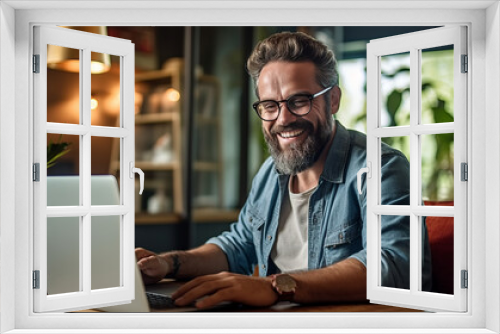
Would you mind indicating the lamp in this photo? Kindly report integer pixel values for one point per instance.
(93, 103)
(68, 59)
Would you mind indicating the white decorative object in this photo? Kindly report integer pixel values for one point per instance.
(162, 151)
(159, 203)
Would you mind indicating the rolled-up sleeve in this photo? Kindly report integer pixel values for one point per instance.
(237, 244)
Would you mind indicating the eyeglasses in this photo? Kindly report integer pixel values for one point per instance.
(298, 104)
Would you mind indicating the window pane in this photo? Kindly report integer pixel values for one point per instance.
(63, 165)
(395, 90)
(105, 175)
(218, 131)
(437, 167)
(63, 84)
(105, 261)
(437, 85)
(395, 251)
(206, 189)
(440, 232)
(63, 255)
(105, 89)
(390, 170)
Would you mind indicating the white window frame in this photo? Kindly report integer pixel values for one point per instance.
(483, 21)
(414, 44)
(85, 297)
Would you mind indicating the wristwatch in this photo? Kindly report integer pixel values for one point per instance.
(284, 285)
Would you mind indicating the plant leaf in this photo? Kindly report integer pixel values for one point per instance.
(55, 151)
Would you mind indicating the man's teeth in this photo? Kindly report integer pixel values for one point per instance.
(291, 134)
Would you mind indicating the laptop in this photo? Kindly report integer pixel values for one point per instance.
(149, 298)
(63, 247)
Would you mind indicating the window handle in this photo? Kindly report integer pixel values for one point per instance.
(139, 171)
(368, 171)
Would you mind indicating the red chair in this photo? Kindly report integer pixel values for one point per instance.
(440, 231)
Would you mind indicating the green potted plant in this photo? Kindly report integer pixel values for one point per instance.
(56, 150)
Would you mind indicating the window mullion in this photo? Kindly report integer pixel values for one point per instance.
(415, 175)
(373, 185)
(85, 169)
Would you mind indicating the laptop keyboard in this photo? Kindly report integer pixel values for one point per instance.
(157, 300)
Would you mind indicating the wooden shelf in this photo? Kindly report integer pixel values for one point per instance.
(159, 219)
(153, 75)
(210, 215)
(151, 166)
(156, 118)
(200, 216)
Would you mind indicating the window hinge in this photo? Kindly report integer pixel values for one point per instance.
(465, 64)
(36, 279)
(465, 279)
(464, 171)
(36, 63)
(36, 172)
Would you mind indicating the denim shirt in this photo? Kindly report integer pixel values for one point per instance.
(337, 215)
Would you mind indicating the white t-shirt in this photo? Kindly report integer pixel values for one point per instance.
(290, 252)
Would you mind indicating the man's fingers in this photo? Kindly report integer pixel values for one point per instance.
(143, 263)
(150, 262)
(220, 296)
(141, 253)
(189, 286)
(207, 288)
(149, 266)
(194, 283)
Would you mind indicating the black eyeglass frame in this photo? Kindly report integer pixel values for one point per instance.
(278, 103)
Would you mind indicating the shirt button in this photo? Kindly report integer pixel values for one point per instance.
(264, 267)
(269, 237)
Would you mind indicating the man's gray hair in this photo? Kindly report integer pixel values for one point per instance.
(294, 47)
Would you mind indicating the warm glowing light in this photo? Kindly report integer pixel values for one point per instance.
(93, 104)
(98, 67)
(73, 65)
(173, 94)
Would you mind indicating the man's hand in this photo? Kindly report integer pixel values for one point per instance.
(153, 266)
(217, 288)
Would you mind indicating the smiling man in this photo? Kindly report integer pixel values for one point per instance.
(304, 223)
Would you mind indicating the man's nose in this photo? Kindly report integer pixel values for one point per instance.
(285, 116)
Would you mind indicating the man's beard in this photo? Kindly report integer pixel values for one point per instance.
(298, 157)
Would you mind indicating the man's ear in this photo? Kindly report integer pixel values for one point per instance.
(335, 100)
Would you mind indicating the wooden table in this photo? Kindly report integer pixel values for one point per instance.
(334, 307)
(290, 307)
(293, 307)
